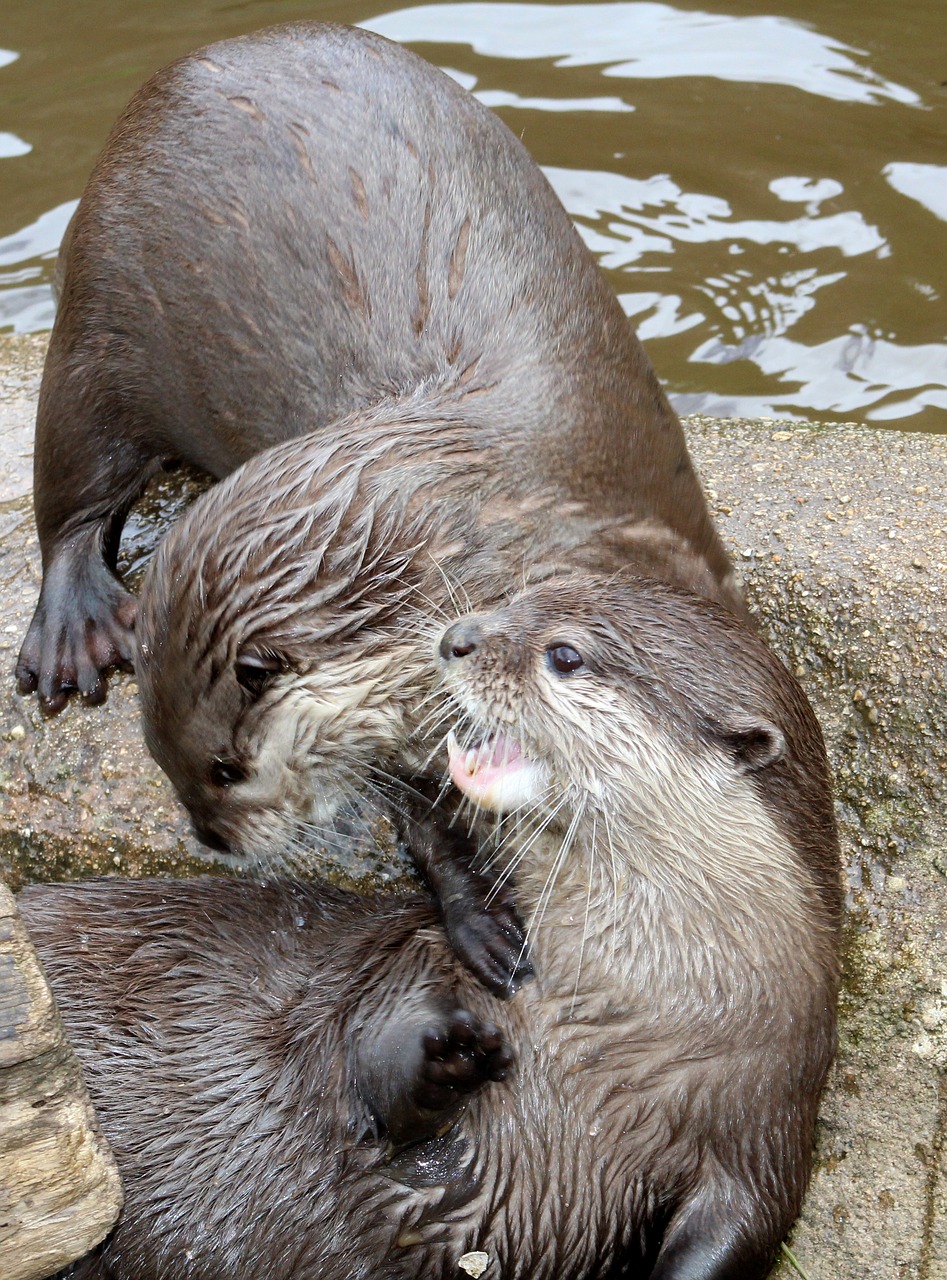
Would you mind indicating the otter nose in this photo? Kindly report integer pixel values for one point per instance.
(460, 639)
(210, 837)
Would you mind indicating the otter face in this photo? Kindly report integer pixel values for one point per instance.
(264, 754)
(606, 692)
(274, 664)
(657, 736)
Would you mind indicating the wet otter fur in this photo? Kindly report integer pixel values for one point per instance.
(297, 231)
(308, 235)
(286, 623)
(300, 1083)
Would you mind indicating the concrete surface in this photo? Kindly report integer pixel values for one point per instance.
(841, 536)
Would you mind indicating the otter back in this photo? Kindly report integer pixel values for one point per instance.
(292, 226)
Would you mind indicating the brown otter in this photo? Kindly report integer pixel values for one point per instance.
(303, 224)
(298, 1083)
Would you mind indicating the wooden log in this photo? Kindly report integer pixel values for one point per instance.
(60, 1192)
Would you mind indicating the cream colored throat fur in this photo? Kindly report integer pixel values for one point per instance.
(666, 864)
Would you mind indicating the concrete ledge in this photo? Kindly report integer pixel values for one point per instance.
(841, 536)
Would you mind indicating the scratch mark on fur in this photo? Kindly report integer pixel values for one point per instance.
(424, 289)
(358, 191)
(352, 287)
(248, 107)
(299, 146)
(458, 261)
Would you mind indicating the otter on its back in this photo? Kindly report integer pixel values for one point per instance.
(666, 815)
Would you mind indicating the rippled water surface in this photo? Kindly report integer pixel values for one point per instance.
(765, 185)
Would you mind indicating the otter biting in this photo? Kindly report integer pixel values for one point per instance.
(694, 836)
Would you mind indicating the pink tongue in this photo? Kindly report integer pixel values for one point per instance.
(475, 770)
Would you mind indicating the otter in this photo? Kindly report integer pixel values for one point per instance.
(301, 226)
(285, 623)
(301, 1083)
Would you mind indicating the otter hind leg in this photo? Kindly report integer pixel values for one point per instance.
(710, 1240)
(420, 1063)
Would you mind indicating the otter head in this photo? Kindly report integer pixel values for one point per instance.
(651, 716)
(270, 671)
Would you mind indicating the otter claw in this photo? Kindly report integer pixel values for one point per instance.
(83, 627)
(491, 942)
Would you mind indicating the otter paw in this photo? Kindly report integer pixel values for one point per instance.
(489, 938)
(82, 627)
(459, 1057)
(481, 922)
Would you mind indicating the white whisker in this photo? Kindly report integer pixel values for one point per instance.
(585, 925)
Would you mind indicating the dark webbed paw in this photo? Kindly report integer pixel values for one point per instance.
(83, 626)
(482, 925)
(459, 1056)
(488, 936)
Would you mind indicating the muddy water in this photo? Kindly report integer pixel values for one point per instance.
(765, 184)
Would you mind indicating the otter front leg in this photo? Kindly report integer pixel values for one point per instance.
(83, 625)
(420, 1063)
(482, 925)
(87, 472)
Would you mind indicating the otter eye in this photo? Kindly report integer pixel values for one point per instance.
(226, 773)
(254, 671)
(564, 659)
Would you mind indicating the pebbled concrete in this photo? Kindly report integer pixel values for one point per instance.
(840, 534)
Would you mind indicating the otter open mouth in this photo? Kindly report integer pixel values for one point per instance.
(495, 773)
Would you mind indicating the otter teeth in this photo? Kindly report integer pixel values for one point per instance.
(495, 773)
(469, 759)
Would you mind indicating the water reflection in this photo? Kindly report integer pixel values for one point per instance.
(496, 98)
(650, 42)
(859, 374)
(695, 217)
(31, 251)
(925, 183)
(766, 198)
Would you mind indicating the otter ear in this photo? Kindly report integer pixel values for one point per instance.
(255, 670)
(753, 742)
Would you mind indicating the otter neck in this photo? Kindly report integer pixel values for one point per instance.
(614, 911)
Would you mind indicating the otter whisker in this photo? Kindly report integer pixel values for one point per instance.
(539, 911)
(519, 820)
(523, 849)
(438, 693)
(305, 851)
(451, 587)
(461, 725)
(432, 626)
(585, 924)
(435, 606)
(440, 716)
